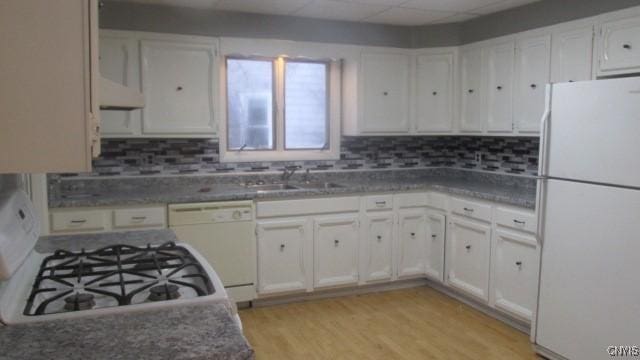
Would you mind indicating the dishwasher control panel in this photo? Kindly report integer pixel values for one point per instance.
(231, 214)
(210, 213)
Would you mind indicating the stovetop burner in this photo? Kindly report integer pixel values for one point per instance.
(79, 301)
(163, 292)
(115, 276)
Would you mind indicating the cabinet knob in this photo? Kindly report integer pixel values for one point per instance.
(336, 242)
(470, 91)
(519, 264)
(435, 93)
(385, 93)
(468, 247)
(281, 247)
(179, 88)
(499, 88)
(379, 237)
(434, 236)
(627, 46)
(468, 209)
(413, 234)
(533, 86)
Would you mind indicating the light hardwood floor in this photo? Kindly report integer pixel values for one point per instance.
(417, 323)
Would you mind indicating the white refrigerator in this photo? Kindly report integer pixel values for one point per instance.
(589, 228)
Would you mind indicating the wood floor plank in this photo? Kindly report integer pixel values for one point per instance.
(418, 323)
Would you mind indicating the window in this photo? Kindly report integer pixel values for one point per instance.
(281, 109)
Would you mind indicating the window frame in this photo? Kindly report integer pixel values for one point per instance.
(274, 100)
(331, 151)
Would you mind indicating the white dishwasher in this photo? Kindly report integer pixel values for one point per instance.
(224, 233)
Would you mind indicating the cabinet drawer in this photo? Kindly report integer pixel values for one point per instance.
(378, 202)
(78, 221)
(141, 217)
(471, 209)
(411, 200)
(307, 206)
(516, 219)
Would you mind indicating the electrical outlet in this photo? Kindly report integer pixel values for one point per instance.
(478, 157)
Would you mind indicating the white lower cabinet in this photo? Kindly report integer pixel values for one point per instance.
(378, 246)
(412, 242)
(436, 225)
(283, 260)
(468, 249)
(336, 250)
(514, 273)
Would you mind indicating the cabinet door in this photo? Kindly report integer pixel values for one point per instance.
(378, 236)
(471, 119)
(499, 93)
(119, 63)
(436, 224)
(336, 251)
(178, 80)
(433, 99)
(620, 47)
(412, 243)
(385, 93)
(283, 247)
(515, 273)
(571, 55)
(532, 75)
(468, 260)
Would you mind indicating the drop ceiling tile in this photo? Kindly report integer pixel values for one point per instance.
(501, 5)
(408, 17)
(339, 10)
(278, 7)
(448, 5)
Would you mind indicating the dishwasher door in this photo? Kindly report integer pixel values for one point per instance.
(224, 233)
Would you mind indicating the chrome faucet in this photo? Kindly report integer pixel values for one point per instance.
(288, 173)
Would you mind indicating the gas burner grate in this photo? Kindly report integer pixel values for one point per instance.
(119, 275)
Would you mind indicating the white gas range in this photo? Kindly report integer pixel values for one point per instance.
(113, 279)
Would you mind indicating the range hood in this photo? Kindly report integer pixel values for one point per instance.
(114, 96)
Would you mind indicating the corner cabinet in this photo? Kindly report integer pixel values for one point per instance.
(179, 80)
(384, 86)
(49, 104)
(533, 58)
(499, 87)
(178, 76)
(434, 77)
(283, 255)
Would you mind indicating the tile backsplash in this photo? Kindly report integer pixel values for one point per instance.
(132, 157)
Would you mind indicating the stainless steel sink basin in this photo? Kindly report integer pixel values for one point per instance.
(319, 185)
(271, 187)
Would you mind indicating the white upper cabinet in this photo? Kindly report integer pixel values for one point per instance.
(179, 81)
(283, 255)
(533, 56)
(119, 62)
(499, 89)
(384, 86)
(571, 55)
(434, 93)
(619, 47)
(49, 105)
(336, 250)
(471, 114)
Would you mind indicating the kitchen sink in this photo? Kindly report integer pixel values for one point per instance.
(319, 185)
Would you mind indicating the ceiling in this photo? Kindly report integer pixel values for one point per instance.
(394, 12)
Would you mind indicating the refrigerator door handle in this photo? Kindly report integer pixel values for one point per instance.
(544, 133)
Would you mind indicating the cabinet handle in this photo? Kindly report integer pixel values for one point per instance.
(468, 209)
(468, 247)
(138, 218)
(179, 88)
(82, 221)
(627, 46)
(413, 234)
(336, 242)
(519, 222)
(381, 203)
(533, 86)
(385, 93)
(281, 247)
(499, 88)
(470, 91)
(434, 236)
(519, 264)
(435, 93)
(379, 237)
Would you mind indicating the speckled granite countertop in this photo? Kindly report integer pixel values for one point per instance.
(513, 190)
(203, 331)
